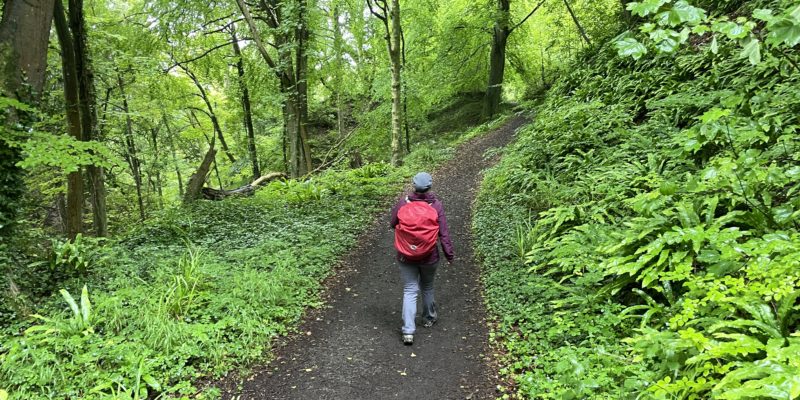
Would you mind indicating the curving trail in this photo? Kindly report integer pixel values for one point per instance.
(352, 350)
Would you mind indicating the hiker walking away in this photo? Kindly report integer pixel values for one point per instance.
(419, 223)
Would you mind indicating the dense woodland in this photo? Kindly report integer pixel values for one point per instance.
(168, 168)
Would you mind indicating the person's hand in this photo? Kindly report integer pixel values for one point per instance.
(449, 262)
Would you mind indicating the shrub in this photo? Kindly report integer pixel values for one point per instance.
(664, 228)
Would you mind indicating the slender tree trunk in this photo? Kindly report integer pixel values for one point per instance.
(577, 23)
(177, 172)
(339, 74)
(285, 144)
(248, 115)
(24, 35)
(98, 199)
(293, 109)
(405, 94)
(88, 110)
(625, 15)
(497, 60)
(389, 14)
(301, 85)
(293, 83)
(130, 156)
(156, 167)
(291, 123)
(101, 123)
(74, 216)
(211, 114)
(397, 83)
(541, 56)
(174, 155)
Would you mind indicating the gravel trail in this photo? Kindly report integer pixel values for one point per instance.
(351, 348)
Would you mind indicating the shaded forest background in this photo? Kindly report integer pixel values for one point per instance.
(295, 88)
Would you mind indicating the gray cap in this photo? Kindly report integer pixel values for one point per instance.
(422, 181)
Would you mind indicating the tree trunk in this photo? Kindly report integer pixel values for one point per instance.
(301, 85)
(211, 114)
(130, 156)
(292, 111)
(198, 179)
(24, 35)
(497, 61)
(174, 155)
(625, 15)
(246, 190)
(88, 111)
(291, 126)
(577, 24)
(74, 217)
(397, 84)
(541, 56)
(156, 167)
(339, 74)
(293, 83)
(248, 115)
(405, 94)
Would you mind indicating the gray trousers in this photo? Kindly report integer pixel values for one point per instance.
(416, 277)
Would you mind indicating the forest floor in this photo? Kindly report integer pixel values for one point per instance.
(351, 348)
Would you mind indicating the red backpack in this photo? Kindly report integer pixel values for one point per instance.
(416, 234)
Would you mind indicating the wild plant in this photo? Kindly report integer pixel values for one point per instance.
(302, 191)
(668, 196)
(137, 389)
(81, 320)
(374, 170)
(69, 258)
(183, 292)
(425, 157)
(523, 238)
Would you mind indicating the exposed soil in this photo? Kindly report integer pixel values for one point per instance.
(351, 349)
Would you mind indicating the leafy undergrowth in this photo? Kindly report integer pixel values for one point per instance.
(641, 239)
(196, 291)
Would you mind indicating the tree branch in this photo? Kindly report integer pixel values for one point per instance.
(375, 13)
(215, 20)
(201, 110)
(577, 24)
(203, 54)
(273, 21)
(257, 38)
(325, 163)
(526, 17)
(224, 28)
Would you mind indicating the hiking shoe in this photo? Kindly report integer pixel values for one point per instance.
(408, 340)
(428, 323)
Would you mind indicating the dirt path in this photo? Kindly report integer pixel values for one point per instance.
(352, 349)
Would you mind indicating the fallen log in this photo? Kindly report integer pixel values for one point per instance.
(246, 190)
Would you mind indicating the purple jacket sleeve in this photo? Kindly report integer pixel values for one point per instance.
(394, 220)
(444, 232)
